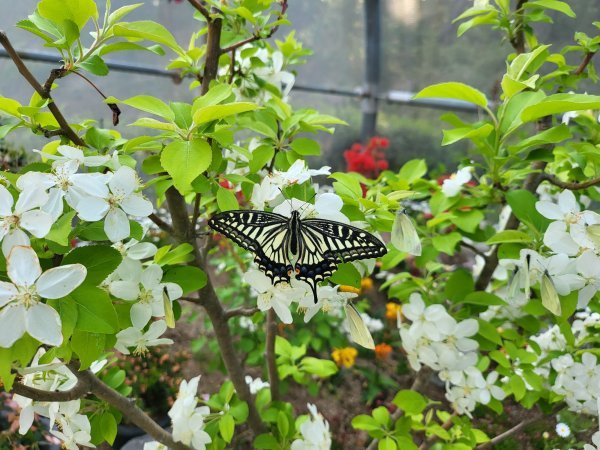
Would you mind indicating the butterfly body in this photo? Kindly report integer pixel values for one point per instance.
(307, 249)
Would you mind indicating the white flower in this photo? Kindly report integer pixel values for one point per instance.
(563, 430)
(64, 183)
(264, 193)
(25, 216)
(315, 432)
(566, 118)
(256, 384)
(145, 287)
(74, 429)
(154, 445)
(452, 186)
(588, 266)
(431, 321)
(188, 420)
(329, 299)
(22, 311)
(278, 297)
(372, 324)
(327, 206)
(136, 337)
(66, 153)
(116, 205)
(491, 389)
(247, 324)
(595, 441)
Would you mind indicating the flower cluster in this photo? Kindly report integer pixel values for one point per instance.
(188, 418)
(315, 432)
(578, 382)
(368, 160)
(437, 340)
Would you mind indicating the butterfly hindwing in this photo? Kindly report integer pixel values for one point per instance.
(263, 233)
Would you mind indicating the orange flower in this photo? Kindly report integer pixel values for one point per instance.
(382, 351)
(346, 288)
(366, 284)
(392, 310)
(344, 356)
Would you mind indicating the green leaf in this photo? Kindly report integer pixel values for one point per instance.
(510, 114)
(522, 203)
(182, 114)
(226, 199)
(412, 170)
(185, 160)
(148, 122)
(550, 136)
(488, 331)
(147, 103)
(216, 112)
(226, 427)
(109, 427)
(517, 386)
(283, 425)
(381, 415)
(61, 229)
(67, 310)
(457, 134)
(513, 236)
(365, 422)
(456, 91)
(96, 313)
(483, 298)
(323, 368)
(346, 274)
(387, 443)
(100, 261)
(560, 103)
(147, 29)
(260, 157)
(556, 5)
(306, 147)
(95, 65)
(411, 402)
(10, 106)
(447, 242)
(77, 11)
(215, 95)
(88, 346)
(459, 285)
(467, 220)
(121, 12)
(266, 441)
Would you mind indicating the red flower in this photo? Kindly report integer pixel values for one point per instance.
(226, 184)
(367, 160)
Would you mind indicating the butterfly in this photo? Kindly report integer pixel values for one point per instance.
(309, 249)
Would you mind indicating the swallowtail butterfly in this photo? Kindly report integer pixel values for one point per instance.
(309, 249)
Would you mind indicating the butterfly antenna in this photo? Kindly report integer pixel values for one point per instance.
(307, 203)
(285, 197)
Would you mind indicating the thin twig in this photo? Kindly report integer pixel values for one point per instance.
(54, 74)
(473, 249)
(586, 60)
(196, 212)
(24, 71)
(203, 9)
(112, 106)
(39, 395)
(127, 406)
(271, 330)
(571, 185)
(236, 312)
(518, 41)
(232, 67)
(256, 36)
(161, 223)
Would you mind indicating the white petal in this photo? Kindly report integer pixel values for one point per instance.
(95, 161)
(549, 210)
(126, 290)
(141, 250)
(140, 314)
(124, 181)
(43, 323)
(54, 206)
(12, 324)
(257, 280)
(26, 419)
(23, 266)
(116, 225)
(151, 276)
(328, 202)
(156, 329)
(173, 290)
(60, 281)
(31, 198)
(6, 202)
(93, 184)
(137, 205)
(35, 180)
(37, 222)
(7, 291)
(283, 311)
(70, 152)
(91, 209)
(16, 237)
(567, 202)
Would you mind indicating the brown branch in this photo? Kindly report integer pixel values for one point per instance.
(473, 249)
(49, 133)
(256, 36)
(161, 223)
(232, 67)
(127, 406)
(112, 106)
(586, 60)
(271, 330)
(196, 212)
(54, 74)
(201, 8)
(236, 312)
(518, 40)
(571, 185)
(24, 71)
(40, 395)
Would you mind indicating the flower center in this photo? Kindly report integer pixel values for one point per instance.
(114, 200)
(27, 296)
(140, 349)
(62, 180)
(145, 295)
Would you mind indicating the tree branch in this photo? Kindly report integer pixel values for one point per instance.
(518, 40)
(586, 60)
(271, 330)
(112, 106)
(39, 395)
(237, 312)
(571, 185)
(24, 71)
(256, 36)
(161, 223)
(127, 407)
(203, 9)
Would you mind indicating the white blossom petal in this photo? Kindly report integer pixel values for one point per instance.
(23, 266)
(43, 323)
(12, 324)
(60, 281)
(37, 222)
(136, 205)
(116, 225)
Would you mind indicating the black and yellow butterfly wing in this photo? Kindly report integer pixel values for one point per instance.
(325, 243)
(263, 233)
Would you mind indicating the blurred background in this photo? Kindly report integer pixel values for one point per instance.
(418, 46)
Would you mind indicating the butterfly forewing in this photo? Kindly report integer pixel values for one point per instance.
(263, 233)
